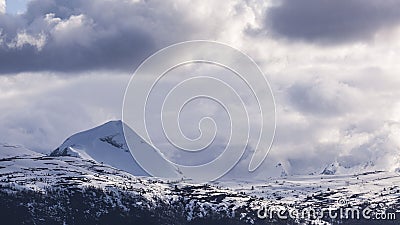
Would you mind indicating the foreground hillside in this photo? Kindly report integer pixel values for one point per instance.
(38, 189)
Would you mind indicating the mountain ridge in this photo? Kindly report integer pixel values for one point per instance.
(106, 144)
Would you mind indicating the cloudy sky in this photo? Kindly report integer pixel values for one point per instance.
(333, 67)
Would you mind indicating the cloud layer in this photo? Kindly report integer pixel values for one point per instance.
(333, 68)
(56, 35)
(332, 22)
(41, 110)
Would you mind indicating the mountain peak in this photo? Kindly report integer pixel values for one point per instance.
(106, 144)
(331, 169)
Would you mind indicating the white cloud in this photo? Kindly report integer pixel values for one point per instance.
(23, 38)
(2, 6)
(76, 29)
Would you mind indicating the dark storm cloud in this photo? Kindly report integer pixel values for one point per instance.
(78, 35)
(331, 22)
(323, 97)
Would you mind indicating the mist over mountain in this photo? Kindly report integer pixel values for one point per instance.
(106, 144)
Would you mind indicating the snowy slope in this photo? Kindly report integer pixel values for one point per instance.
(106, 144)
(35, 176)
(9, 151)
(36, 179)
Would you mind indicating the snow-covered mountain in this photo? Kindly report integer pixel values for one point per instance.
(106, 144)
(10, 151)
(93, 179)
(39, 189)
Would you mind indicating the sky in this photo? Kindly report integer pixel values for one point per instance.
(13, 6)
(332, 65)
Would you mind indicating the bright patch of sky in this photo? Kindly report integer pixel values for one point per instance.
(16, 6)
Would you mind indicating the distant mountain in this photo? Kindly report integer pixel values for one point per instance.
(331, 169)
(10, 151)
(106, 144)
